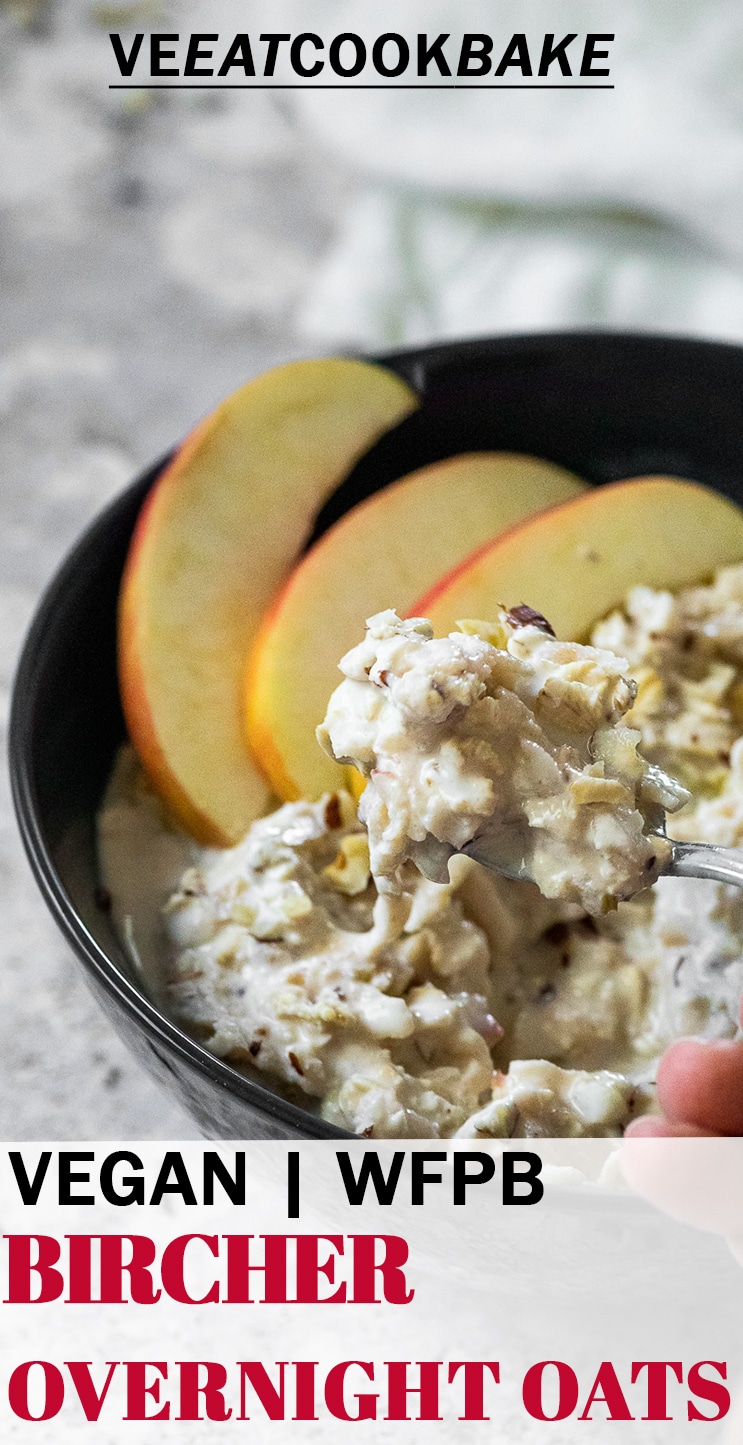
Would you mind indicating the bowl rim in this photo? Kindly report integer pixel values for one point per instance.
(125, 992)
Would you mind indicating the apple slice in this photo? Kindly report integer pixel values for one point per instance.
(217, 536)
(381, 554)
(578, 561)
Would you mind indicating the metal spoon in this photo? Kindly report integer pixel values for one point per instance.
(688, 860)
(706, 860)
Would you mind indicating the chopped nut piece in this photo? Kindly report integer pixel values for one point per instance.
(333, 817)
(493, 632)
(349, 871)
(523, 616)
(601, 790)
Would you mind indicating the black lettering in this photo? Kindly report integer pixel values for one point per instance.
(126, 62)
(370, 1169)
(403, 54)
(418, 1162)
(67, 1178)
(273, 42)
(298, 65)
(486, 1165)
(181, 1184)
(336, 46)
(158, 55)
(528, 1177)
(434, 51)
(29, 1189)
(552, 52)
(135, 1193)
(196, 53)
(517, 53)
(590, 53)
(216, 1169)
(239, 53)
(292, 1184)
(477, 48)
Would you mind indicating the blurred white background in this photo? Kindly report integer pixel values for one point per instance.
(157, 249)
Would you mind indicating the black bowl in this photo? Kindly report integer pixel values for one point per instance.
(605, 406)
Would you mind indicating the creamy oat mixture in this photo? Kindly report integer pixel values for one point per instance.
(282, 958)
(477, 1008)
(507, 740)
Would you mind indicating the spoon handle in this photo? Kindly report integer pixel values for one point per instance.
(707, 860)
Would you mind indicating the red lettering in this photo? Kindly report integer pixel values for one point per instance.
(271, 1399)
(398, 1390)
(113, 1268)
(80, 1272)
(533, 1388)
(238, 1265)
(211, 1389)
(365, 1268)
(335, 1392)
(304, 1372)
(710, 1390)
(474, 1385)
(87, 1394)
(21, 1269)
(172, 1269)
(137, 1390)
(128, 1268)
(608, 1385)
(309, 1269)
(657, 1384)
(53, 1390)
(275, 1290)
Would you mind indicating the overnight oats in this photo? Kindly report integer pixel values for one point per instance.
(356, 962)
(501, 737)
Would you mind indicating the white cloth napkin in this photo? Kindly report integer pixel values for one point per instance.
(509, 210)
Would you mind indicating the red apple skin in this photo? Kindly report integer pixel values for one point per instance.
(140, 722)
(217, 536)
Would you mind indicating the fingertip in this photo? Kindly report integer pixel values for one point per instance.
(648, 1128)
(700, 1083)
(653, 1127)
